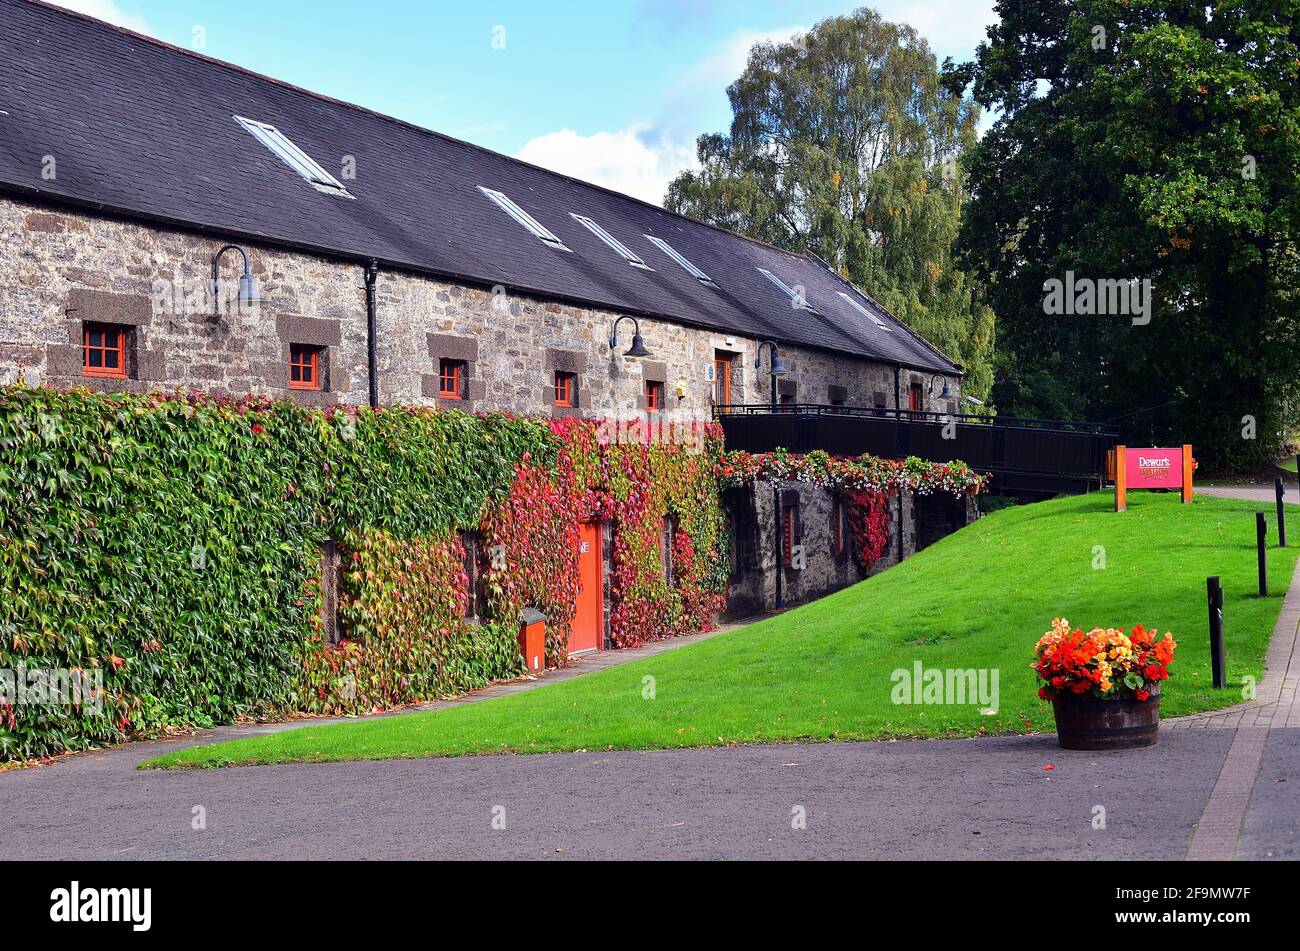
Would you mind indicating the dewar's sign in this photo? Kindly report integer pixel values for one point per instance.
(1152, 469)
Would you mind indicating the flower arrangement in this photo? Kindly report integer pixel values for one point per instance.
(863, 473)
(1104, 662)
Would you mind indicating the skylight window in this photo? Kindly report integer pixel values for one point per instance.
(798, 298)
(686, 265)
(617, 246)
(862, 309)
(294, 157)
(533, 226)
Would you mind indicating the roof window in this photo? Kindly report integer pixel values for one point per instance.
(533, 226)
(798, 298)
(294, 157)
(686, 265)
(617, 246)
(865, 312)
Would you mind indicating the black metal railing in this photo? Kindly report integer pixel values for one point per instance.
(1027, 454)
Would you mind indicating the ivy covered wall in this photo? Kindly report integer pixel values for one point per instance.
(171, 548)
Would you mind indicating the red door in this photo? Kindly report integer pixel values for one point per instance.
(589, 618)
(915, 397)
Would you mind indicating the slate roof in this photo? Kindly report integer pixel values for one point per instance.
(146, 129)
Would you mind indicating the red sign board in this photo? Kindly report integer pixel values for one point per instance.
(1154, 468)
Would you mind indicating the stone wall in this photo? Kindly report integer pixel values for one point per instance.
(60, 268)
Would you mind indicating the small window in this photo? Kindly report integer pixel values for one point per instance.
(566, 389)
(534, 227)
(104, 350)
(787, 402)
(654, 396)
(797, 298)
(304, 367)
(294, 157)
(476, 606)
(789, 532)
(865, 312)
(668, 542)
(451, 379)
(686, 265)
(839, 528)
(617, 246)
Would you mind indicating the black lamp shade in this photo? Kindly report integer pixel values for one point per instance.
(638, 347)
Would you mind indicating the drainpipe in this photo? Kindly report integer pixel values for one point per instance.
(777, 515)
(372, 332)
(898, 415)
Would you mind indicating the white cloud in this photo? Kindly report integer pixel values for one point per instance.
(952, 27)
(728, 60)
(109, 11)
(636, 161)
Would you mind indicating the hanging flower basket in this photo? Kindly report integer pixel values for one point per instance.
(1104, 685)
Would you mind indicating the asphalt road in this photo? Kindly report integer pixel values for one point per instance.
(980, 798)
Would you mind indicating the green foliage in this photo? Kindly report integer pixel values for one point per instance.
(1150, 139)
(846, 145)
(172, 548)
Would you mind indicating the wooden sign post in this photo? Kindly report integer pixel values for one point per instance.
(1152, 469)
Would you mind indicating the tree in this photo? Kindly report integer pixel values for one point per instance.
(843, 142)
(1155, 140)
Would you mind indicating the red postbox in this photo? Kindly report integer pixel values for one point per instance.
(532, 640)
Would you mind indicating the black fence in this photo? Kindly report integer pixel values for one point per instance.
(1026, 456)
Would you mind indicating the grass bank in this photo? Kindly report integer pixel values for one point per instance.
(978, 599)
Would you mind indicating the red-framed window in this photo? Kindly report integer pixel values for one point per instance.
(304, 367)
(104, 350)
(451, 379)
(915, 397)
(787, 401)
(566, 388)
(654, 396)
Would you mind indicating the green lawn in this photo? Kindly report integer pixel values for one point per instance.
(1288, 464)
(977, 599)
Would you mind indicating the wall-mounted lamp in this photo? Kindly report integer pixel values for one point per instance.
(779, 367)
(638, 345)
(247, 283)
(934, 383)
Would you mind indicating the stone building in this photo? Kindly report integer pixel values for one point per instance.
(392, 264)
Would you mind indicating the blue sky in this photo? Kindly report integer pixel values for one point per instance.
(612, 91)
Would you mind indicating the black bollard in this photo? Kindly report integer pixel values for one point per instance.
(1214, 596)
(1261, 537)
(1280, 490)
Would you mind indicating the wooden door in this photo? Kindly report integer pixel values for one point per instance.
(722, 362)
(588, 631)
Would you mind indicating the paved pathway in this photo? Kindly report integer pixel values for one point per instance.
(1254, 809)
(1256, 493)
(1217, 785)
(954, 799)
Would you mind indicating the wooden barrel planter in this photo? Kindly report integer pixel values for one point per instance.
(1087, 723)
